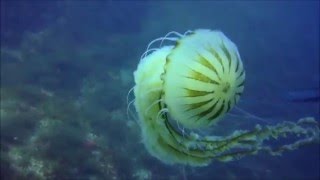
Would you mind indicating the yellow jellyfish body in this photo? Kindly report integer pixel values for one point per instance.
(204, 78)
(193, 84)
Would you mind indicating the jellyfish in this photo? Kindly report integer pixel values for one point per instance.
(192, 83)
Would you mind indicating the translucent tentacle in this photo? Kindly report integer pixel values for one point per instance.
(147, 52)
(170, 33)
(161, 39)
(248, 115)
(129, 112)
(131, 90)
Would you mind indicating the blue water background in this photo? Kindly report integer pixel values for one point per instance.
(85, 52)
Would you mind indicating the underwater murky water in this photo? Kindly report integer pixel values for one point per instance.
(67, 66)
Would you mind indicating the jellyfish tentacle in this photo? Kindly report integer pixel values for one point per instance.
(129, 111)
(159, 39)
(188, 32)
(147, 52)
(249, 115)
(153, 104)
(128, 94)
(171, 33)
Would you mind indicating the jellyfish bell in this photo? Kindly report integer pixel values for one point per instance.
(204, 78)
(193, 84)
